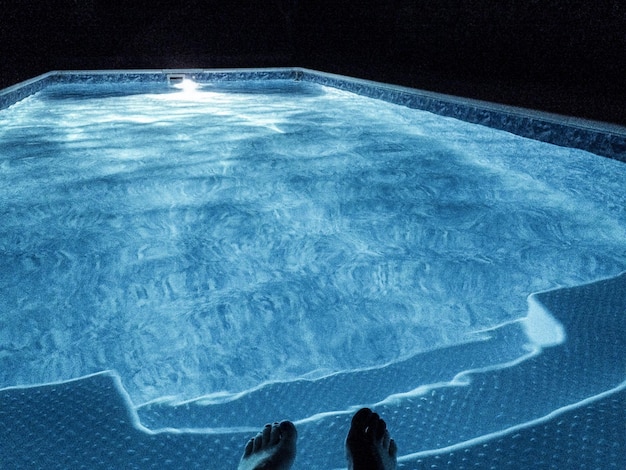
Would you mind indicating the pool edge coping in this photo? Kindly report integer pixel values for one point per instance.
(601, 138)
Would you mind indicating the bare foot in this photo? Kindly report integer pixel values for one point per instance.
(368, 445)
(274, 448)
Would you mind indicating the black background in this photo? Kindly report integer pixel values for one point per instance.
(561, 56)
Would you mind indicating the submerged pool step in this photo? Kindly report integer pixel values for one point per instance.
(86, 423)
(563, 408)
(301, 399)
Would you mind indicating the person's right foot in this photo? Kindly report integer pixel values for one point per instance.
(368, 445)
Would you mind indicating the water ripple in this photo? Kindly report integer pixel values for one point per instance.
(323, 233)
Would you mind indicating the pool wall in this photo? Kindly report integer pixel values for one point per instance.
(596, 137)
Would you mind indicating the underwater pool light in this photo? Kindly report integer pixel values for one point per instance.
(182, 82)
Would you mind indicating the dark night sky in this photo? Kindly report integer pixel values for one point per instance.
(557, 55)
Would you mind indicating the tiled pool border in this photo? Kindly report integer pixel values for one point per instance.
(600, 138)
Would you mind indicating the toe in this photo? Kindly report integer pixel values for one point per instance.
(361, 426)
(374, 428)
(249, 448)
(393, 449)
(287, 430)
(386, 440)
(258, 442)
(361, 418)
(274, 435)
(380, 427)
(267, 433)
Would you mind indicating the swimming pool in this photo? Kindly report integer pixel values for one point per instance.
(247, 246)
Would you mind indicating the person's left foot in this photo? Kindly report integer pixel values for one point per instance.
(274, 448)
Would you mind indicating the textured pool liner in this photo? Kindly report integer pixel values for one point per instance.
(599, 138)
(579, 383)
(466, 417)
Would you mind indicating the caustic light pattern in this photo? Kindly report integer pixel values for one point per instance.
(224, 245)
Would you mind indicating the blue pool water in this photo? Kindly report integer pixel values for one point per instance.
(237, 253)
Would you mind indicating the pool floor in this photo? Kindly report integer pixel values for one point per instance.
(170, 285)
